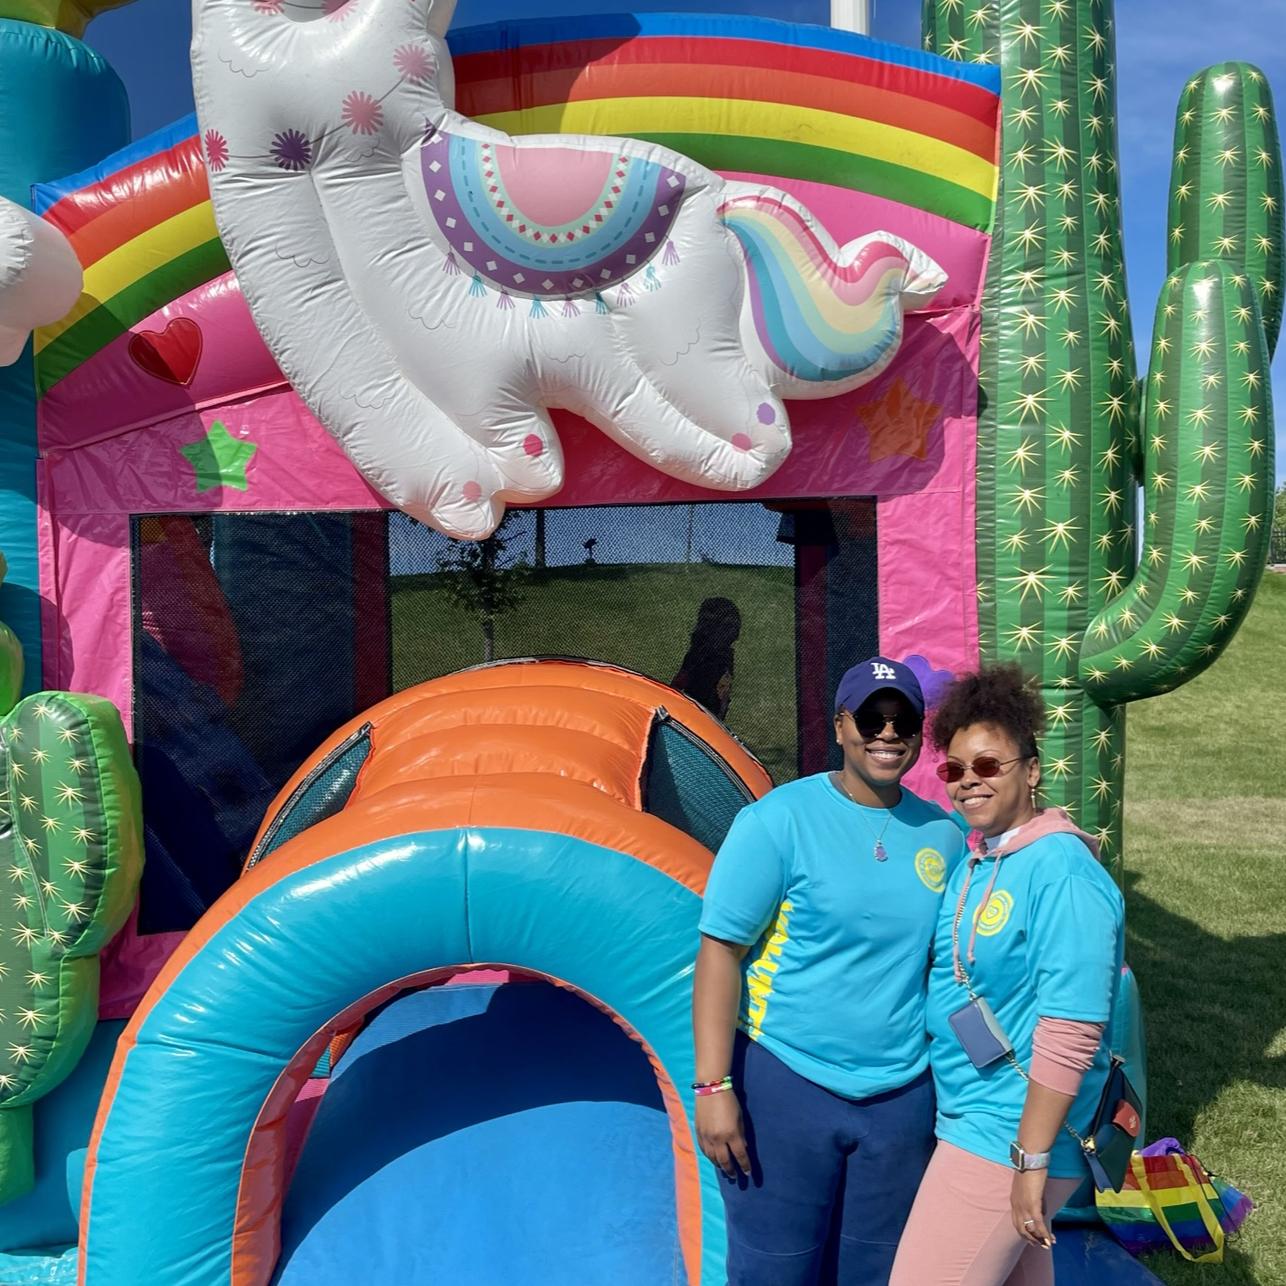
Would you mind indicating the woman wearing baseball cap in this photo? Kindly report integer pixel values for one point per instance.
(813, 1092)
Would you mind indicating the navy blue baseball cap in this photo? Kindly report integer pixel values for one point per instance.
(879, 674)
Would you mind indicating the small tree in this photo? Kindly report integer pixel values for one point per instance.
(1279, 509)
(486, 578)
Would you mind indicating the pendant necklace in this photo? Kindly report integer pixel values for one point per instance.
(879, 852)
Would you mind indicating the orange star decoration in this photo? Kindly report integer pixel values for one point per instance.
(899, 423)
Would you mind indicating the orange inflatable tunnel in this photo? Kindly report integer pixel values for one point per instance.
(555, 817)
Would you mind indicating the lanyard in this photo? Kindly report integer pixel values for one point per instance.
(961, 976)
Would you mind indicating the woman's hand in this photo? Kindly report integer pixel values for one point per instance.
(720, 1134)
(1027, 1204)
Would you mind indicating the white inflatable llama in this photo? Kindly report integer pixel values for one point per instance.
(431, 286)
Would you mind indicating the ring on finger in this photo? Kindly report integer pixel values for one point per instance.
(1029, 1223)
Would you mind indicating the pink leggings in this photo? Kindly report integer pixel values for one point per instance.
(960, 1232)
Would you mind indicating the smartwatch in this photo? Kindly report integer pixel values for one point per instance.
(1024, 1161)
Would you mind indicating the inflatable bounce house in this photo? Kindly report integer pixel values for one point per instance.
(339, 941)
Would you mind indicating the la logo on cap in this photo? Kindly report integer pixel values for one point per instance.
(881, 671)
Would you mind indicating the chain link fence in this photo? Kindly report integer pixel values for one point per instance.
(1277, 547)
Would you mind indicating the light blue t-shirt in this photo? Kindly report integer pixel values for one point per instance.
(835, 977)
(1049, 944)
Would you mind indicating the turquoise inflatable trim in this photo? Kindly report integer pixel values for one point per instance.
(56, 1267)
(163, 1201)
(61, 106)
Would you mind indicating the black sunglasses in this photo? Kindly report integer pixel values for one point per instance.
(871, 723)
(983, 766)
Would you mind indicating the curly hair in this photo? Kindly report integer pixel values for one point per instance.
(999, 695)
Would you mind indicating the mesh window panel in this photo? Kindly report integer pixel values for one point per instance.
(321, 794)
(258, 634)
(688, 786)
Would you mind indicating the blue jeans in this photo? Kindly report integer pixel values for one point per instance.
(833, 1178)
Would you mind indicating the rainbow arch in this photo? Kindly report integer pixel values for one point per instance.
(777, 100)
(491, 819)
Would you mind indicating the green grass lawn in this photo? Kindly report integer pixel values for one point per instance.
(1205, 860)
(638, 616)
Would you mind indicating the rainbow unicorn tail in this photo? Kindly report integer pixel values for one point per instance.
(827, 320)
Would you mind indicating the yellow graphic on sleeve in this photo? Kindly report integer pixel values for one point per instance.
(931, 867)
(993, 917)
(763, 971)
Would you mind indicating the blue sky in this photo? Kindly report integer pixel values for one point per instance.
(1160, 43)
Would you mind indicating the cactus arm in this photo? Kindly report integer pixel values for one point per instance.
(71, 837)
(1208, 491)
(1208, 438)
(1226, 186)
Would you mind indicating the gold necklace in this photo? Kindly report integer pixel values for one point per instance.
(879, 852)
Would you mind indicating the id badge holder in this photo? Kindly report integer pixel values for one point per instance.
(980, 1034)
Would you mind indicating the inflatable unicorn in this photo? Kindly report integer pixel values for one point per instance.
(432, 286)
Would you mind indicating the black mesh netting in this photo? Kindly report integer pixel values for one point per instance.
(258, 634)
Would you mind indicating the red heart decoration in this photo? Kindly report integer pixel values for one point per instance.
(172, 354)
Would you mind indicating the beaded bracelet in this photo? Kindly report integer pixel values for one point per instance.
(702, 1088)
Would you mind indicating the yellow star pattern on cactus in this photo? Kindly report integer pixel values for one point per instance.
(1031, 582)
(1030, 405)
(1062, 647)
(1022, 455)
(1060, 533)
(1032, 79)
(1023, 637)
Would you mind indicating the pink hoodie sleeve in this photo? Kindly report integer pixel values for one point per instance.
(1062, 1051)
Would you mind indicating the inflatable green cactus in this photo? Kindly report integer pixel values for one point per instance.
(71, 853)
(1066, 432)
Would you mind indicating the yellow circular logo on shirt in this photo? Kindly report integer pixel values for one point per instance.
(931, 867)
(993, 917)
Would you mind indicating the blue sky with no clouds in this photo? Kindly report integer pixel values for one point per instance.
(1160, 43)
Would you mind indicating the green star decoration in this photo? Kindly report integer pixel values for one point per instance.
(219, 459)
